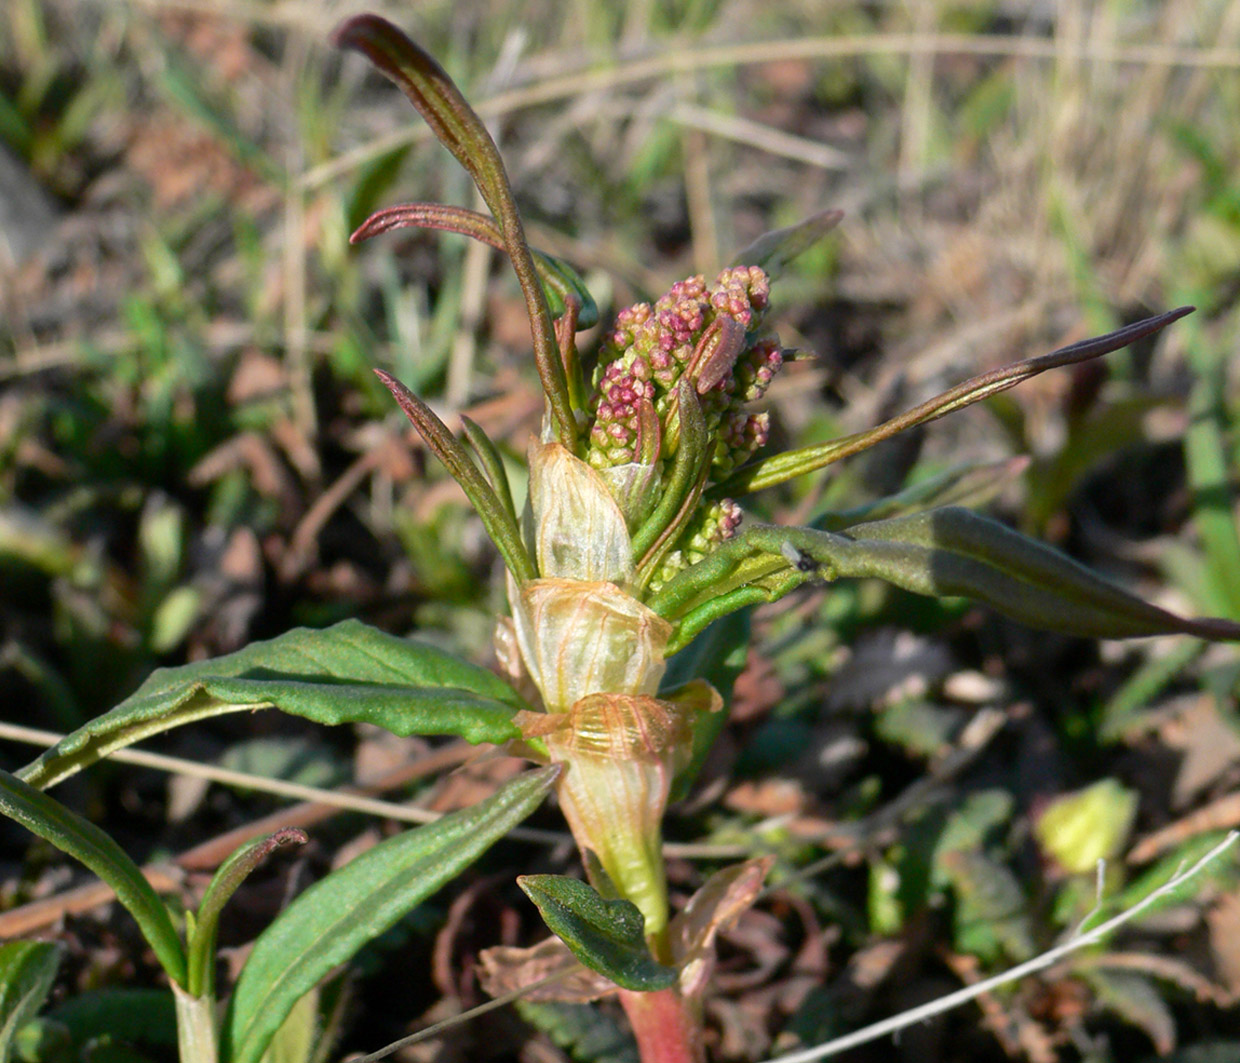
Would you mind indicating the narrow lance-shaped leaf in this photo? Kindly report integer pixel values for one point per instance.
(779, 468)
(774, 250)
(954, 551)
(332, 920)
(559, 280)
(81, 839)
(224, 883)
(347, 673)
(492, 464)
(608, 936)
(458, 127)
(692, 455)
(500, 523)
(943, 552)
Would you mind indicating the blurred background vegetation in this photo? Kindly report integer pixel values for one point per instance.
(194, 454)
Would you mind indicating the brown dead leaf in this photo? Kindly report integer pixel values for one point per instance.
(714, 909)
(756, 691)
(1223, 919)
(768, 797)
(1209, 745)
(257, 376)
(869, 967)
(504, 970)
(252, 452)
(475, 782)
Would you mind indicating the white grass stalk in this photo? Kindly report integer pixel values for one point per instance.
(336, 798)
(1038, 963)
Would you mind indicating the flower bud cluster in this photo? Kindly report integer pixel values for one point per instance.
(710, 335)
(616, 436)
(650, 348)
(710, 526)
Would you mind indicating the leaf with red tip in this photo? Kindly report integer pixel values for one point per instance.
(560, 281)
(498, 519)
(462, 132)
(767, 472)
(224, 883)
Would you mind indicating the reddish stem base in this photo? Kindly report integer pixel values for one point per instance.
(666, 1032)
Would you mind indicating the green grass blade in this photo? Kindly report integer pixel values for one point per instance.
(328, 923)
(81, 839)
(774, 250)
(1209, 475)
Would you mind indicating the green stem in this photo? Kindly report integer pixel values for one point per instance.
(666, 1032)
(196, 1032)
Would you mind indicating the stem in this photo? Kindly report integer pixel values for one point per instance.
(666, 1032)
(196, 1033)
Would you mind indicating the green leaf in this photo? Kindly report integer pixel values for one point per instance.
(26, 972)
(563, 283)
(779, 468)
(679, 496)
(463, 133)
(774, 250)
(84, 841)
(954, 551)
(347, 673)
(991, 917)
(500, 523)
(1122, 716)
(224, 883)
(559, 280)
(294, 1041)
(607, 936)
(1210, 474)
(326, 925)
(492, 464)
(943, 552)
